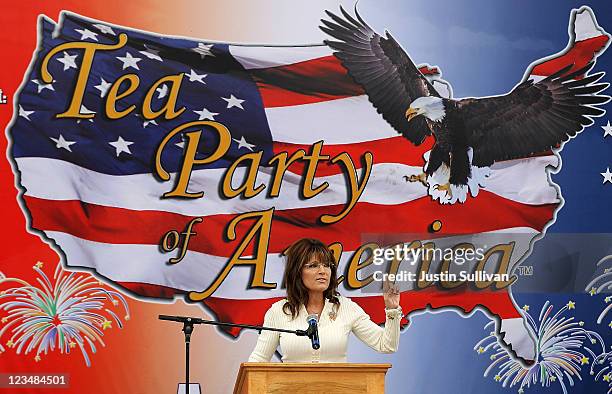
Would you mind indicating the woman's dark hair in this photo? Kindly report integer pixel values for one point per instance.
(298, 254)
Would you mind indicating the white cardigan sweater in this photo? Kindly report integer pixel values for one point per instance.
(333, 333)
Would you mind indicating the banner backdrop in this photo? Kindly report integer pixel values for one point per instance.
(161, 157)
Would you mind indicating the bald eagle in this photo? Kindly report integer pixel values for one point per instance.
(533, 118)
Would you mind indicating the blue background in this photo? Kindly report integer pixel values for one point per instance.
(483, 48)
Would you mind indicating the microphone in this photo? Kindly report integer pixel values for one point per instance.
(313, 331)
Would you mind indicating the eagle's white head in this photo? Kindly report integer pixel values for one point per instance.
(431, 107)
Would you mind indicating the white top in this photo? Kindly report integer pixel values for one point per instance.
(333, 333)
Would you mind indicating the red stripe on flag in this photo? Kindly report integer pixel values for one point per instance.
(305, 82)
(150, 290)
(310, 81)
(488, 212)
(580, 54)
(426, 70)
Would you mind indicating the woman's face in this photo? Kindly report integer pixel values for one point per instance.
(316, 274)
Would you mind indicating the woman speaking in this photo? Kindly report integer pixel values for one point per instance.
(311, 281)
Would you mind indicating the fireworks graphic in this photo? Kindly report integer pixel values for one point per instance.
(602, 284)
(603, 362)
(560, 354)
(67, 313)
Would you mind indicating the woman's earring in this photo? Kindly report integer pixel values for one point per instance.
(332, 315)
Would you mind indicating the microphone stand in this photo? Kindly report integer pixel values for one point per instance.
(189, 322)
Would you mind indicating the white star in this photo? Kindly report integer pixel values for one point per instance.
(60, 142)
(233, 101)
(129, 61)
(85, 110)
(193, 76)
(203, 50)
(148, 122)
(607, 175)
(87, 34)
(206, 114)
(43, 86)
(162, 91)
(121, 145)
(103, 87)
(151, 53)
(104, 29)
(607, 130)
(243, 143)
(68, 61)
(25, 114)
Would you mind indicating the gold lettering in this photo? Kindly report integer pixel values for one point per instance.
(506, 252)
(395, 263)
(445, 267)
(188, 234)
(355, 187)
(313, 161)
(114, 95)
(90, 48)
(355, 264)
(169, 108)
(247, 189)
(281, 167)
(262, 227)
(189, 159)
(425, 264)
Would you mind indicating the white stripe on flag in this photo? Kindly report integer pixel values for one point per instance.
(341, 121)
(252, 57)
(523, 181)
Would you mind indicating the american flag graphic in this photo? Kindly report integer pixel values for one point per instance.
(88, 184)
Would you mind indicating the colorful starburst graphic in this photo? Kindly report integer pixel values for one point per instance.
(59, 315)
(561, 353)
(602, 284)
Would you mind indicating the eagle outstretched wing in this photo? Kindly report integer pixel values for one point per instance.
(388, 76)
(533, 117)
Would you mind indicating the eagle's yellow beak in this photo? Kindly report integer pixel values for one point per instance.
(411, 113)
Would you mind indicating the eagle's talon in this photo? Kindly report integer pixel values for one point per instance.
(422, 177)
(446, 188)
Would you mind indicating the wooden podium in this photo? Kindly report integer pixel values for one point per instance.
(310, 378)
